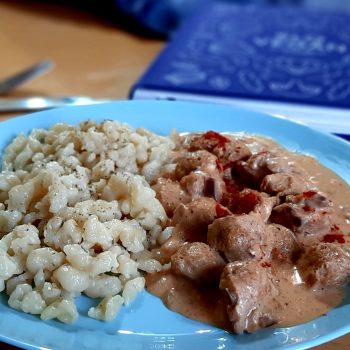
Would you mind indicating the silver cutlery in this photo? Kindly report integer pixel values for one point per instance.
(39, 103)
(10, 83)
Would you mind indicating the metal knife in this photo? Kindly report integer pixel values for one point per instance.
(24, 76)
(40, 103)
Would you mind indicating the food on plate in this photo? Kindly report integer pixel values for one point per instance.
(78, 216)
(259, 234)
(229, 229)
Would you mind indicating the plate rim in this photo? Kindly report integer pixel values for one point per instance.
(185, 105)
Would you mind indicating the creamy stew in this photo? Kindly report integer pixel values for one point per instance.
(260, 234)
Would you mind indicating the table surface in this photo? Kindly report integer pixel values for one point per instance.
(92, 58)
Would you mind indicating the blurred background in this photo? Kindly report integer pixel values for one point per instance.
(99, 48)
(161, 18)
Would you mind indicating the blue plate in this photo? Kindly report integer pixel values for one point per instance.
(147, 324)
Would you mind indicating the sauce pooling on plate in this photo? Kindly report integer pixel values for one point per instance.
(260, 234)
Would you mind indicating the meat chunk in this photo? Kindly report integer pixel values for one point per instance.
(306, 214)
(170, 194)
(199, 175)
(198, 184)
(230, 152)
(279, 243)
(253, 170)
(251, 294)
(248, 200)
(285, 184)
(205, 141)
(191, 224)
(198, 262)
(237, 237)
(195, 216)
(200, 160)
(171, 246)
(265, 205)
(325, 265)
(194, 184)
(227, 149)
(240, 202)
